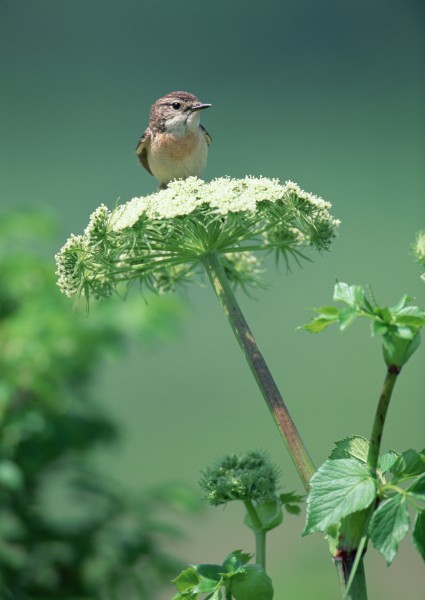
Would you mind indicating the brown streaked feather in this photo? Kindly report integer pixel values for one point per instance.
(142, 149)
(207, 135)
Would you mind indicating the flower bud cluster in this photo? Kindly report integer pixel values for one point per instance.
(249, 477)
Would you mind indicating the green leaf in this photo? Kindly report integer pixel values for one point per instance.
(388, 526)
(379, 328)
(412, 320)
(417, 489)
(347, 316)
(419, 533)
(339, 488)
(352, 295)
(269, 511)
(209, 577)
(319, 324)
(401, 304)
(235, 561)
(409, 464)
(386, 461)
(328, 311)
(291, 502)
(355, 446)
(186, 580)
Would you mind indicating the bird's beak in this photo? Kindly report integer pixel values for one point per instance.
(200, 106)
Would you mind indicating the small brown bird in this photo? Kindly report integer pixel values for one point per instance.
(175, 144)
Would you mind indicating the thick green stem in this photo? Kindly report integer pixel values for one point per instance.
(259, 368)
(380, 416)
(260, 536)
(358, 589)
(345, 564)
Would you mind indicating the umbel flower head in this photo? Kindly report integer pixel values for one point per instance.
(160, 240)
(249, 477)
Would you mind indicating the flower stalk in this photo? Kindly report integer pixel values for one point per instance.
(259, 368)
(380, 416)
(260, 534)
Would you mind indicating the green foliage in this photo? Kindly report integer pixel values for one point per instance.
(338, 488)
(398, 325)
(66, 532)
(344, 486)
(243, 581)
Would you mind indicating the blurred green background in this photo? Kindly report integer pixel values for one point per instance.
(329, 94)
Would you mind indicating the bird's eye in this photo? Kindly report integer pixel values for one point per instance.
(176, 105)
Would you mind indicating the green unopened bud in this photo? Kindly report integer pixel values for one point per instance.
(397, 350)
(254, 584)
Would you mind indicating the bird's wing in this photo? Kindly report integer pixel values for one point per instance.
(207, 135)
(142, 149)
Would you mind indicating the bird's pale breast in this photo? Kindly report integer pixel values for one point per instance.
(172, 157)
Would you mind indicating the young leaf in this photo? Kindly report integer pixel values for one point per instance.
(346, 317)
(409, 464)
(291, 502)
(327, 315)
(339, 488)
(349, 294)
(388, 526)
(387, 461)
(417, 489)
(186, 580)
(351, 447)
(419, 533)
(209, 577)
(235, 561)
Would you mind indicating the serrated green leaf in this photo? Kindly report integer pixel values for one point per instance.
(417, 488)
(419, 533)
(186, 580)
(349, 294)
(355, 446)
(388, 526)
(387, 461)
(235, 561)
(339, 488)
(269, 511)
(409, 464)
(209, 577)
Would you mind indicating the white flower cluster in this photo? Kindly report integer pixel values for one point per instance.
(224, 194)
(162, 239)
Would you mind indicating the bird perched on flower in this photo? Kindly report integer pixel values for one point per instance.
(175, 144)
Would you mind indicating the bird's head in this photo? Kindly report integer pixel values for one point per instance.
(176, 113)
